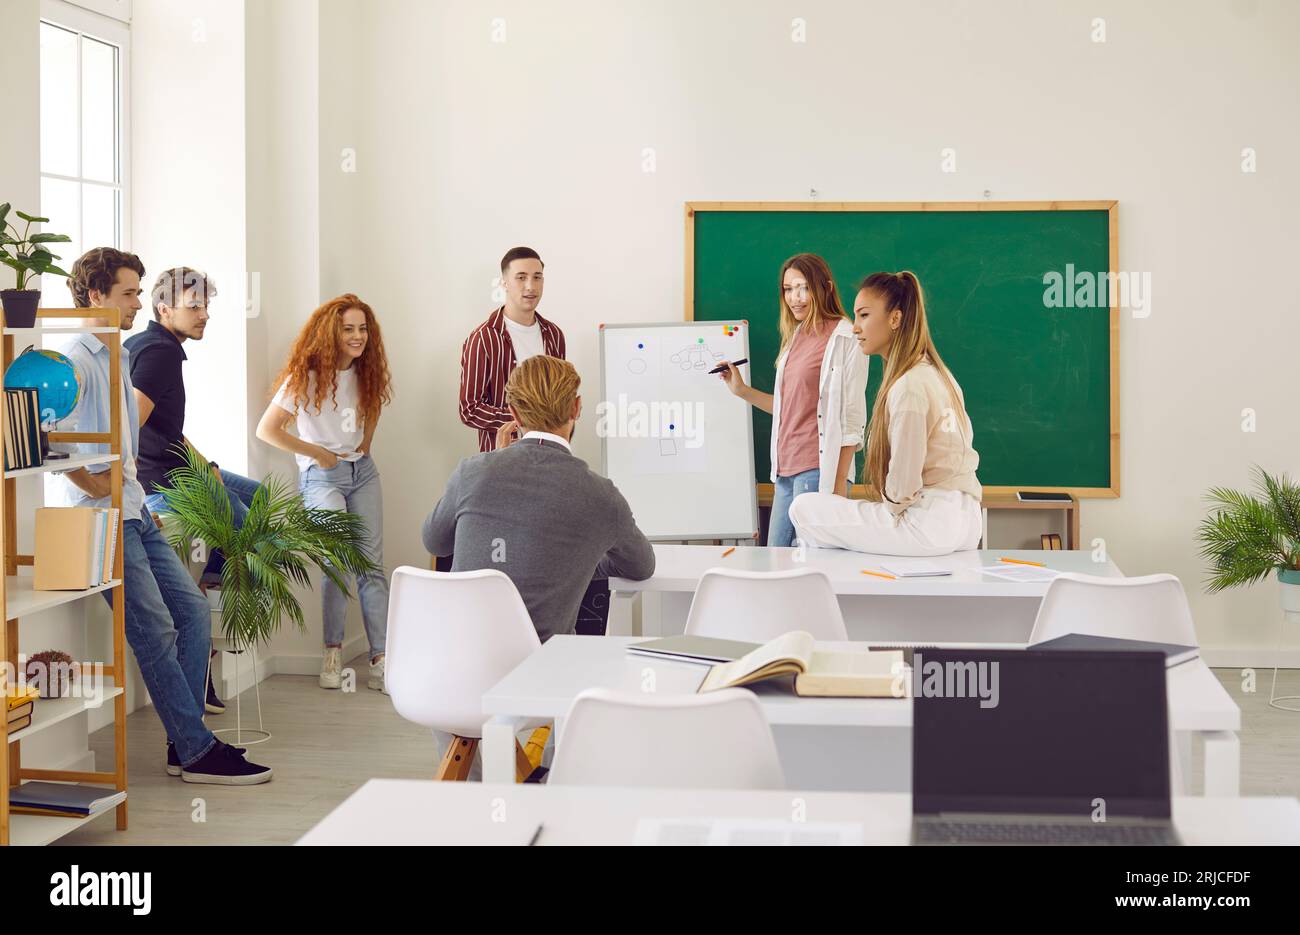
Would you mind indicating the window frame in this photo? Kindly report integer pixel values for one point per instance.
(65, 15)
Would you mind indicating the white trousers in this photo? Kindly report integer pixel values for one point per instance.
(938, 523)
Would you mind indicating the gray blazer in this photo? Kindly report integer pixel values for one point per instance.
(540, 515)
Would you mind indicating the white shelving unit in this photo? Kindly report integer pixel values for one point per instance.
(20, 600)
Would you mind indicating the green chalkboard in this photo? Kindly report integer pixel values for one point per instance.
(1037, 378)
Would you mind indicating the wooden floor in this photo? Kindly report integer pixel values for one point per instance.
(326, 744)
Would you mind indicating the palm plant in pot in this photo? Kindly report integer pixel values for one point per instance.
(274, 551)
(26, 254)
(1246, 538)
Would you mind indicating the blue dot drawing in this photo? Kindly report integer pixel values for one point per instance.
(671, 426)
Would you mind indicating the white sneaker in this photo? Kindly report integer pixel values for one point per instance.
(377, 676)
(331, 667)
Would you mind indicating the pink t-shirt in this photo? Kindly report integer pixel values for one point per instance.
(796, 438)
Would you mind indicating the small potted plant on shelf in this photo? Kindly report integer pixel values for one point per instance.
(26, 254)
(51, 672)
(1246, 538)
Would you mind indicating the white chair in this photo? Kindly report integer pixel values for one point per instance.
(1151, 607)
(452, 636)
(719, 740)
(757, 606)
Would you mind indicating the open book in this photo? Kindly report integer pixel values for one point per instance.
(824, 674)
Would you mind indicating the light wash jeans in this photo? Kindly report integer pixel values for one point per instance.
(353, 486)
(239, 490)
(780, 531)
(169, 628)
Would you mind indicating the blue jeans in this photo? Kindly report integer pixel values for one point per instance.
(353, 486)
(169, 628)
(239, 490)
(780, 531)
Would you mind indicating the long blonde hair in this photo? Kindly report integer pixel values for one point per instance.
(826, 307)
(911, 342)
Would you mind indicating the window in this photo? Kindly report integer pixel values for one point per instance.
(83, 136)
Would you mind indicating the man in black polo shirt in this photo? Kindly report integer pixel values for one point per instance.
(180, 311)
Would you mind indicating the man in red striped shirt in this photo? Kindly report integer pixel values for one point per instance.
(511, 334)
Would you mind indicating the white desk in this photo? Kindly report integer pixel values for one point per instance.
(417, 811)
(861, 744)
(966, 606)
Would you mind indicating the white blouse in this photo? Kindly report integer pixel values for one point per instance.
(929, 440)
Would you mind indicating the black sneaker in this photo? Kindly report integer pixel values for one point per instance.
(224, 766)
(213, 704)
(174, 761)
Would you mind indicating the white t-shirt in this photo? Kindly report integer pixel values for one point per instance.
(527, 339)
(336, 428)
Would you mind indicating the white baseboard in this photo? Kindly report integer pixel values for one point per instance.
(269, 664)
(1250, 657)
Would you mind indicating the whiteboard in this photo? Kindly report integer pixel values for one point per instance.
(674, 440)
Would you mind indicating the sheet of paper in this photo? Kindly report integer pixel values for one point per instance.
(915, 569)
(1023, 574)
(742, 831)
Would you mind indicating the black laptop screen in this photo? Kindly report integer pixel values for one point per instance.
(1050, 732)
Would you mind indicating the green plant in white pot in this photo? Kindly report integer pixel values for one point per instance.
(28, 256)
(1246, 538)
(279, 543)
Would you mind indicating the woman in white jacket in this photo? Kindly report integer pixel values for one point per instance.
(920, 460)
(819, 399)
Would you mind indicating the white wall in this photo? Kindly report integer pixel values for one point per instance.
(466, 147)
(187, 196)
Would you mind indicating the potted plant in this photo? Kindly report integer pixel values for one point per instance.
(280, 541)
(1246, 538)
(26, 254)
(52, 672)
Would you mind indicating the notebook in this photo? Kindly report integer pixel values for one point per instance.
(1174, 653)
(694, 649)
(64, 797)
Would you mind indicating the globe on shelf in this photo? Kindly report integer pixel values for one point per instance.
(56, 380)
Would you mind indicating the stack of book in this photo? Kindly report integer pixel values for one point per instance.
(75, 547)
(19, 704)
(62, 800)
(22, 429)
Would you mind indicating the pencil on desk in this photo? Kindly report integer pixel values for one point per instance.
(880, 574)
(729, 551)
(1021, 561)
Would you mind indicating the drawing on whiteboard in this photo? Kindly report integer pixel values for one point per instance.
(696, 357)
(667, 447)
(636, 365)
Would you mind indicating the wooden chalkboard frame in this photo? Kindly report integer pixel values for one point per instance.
(1110, 207)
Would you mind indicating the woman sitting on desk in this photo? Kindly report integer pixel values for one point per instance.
(920, 462)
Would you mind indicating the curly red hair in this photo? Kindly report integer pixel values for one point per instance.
(317, 349)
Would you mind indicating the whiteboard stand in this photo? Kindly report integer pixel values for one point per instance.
(673, 439)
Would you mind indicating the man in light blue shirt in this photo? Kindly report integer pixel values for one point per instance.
(168, 621)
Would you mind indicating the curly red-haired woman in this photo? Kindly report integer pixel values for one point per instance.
(333, 387)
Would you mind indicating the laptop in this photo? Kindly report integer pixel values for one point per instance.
(1035, 748)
